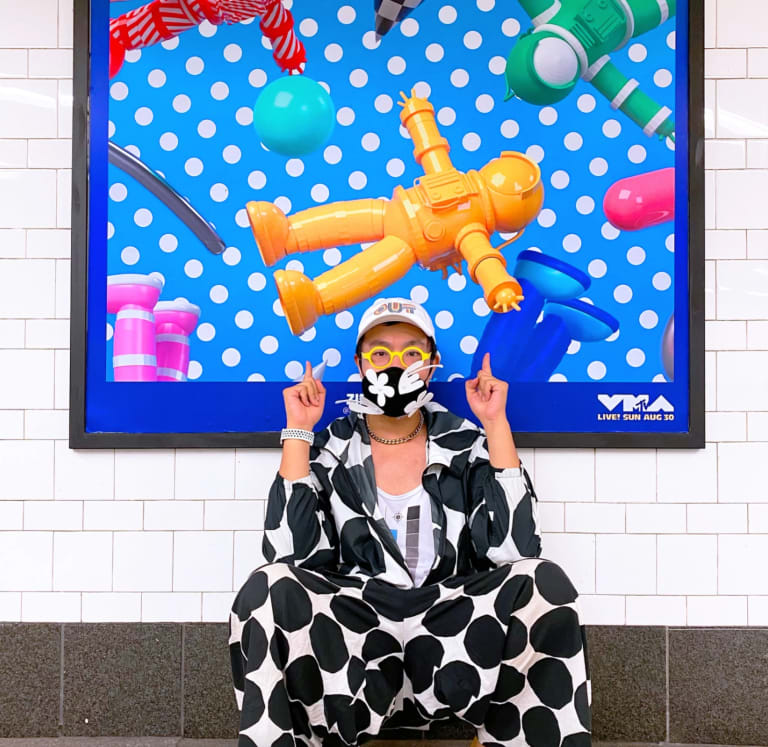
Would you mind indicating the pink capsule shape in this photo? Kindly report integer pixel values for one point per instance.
(132, 298)
(641, 201)
(174, 323)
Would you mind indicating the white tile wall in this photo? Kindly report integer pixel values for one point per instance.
(564, 475)
(726, 426)
(650, 518)
(46, 424)
(741, 23)
(110, 606)
(82, 561)
(205, 473)
(687, 475)
(666, 538)
(687, 564)
(724, 244)
(36, 27)
(742, 382)
(84, 475)
(742, 559)
(12, 240)
(216, 606)
(247, 555)
(11, 424)
(743, 472)
(757, 244)
(27, 561)
(29, 108)
(143, 561)
(173, 515)
(171, 607)
(100, 515)
(603, 609)
(10, 605)
(203, 561)
(46, 606)
(595, 517)
(13, 64)
(254, 469)
(651, 610)
(757, 610)
(575, 553)
(11, 515)
(742, 290)
(143, 474)
(234, 515)
(722, 610)
(717, 518)
(624, 475)
(26, 379)
(552, 516)
(626, 564)
(13, 153)
(27, 470)
(53, 515)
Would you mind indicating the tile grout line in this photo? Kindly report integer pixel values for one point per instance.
(183, 652)
(60, 725)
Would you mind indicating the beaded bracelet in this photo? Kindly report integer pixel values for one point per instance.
(300, 433)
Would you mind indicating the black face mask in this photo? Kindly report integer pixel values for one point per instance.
(392, 390)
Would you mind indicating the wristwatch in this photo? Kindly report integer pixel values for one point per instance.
(300, 433)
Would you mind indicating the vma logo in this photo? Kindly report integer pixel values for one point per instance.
(635, 407)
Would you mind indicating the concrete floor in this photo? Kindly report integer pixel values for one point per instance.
(180, 742)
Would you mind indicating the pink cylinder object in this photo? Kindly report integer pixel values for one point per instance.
(132, 298)
(641, 201)
(174, 323)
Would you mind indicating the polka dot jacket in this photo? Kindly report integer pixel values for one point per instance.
(482, 516)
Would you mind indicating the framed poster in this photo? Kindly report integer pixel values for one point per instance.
(250, 175)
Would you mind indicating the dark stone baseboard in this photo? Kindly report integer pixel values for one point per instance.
(649, 684)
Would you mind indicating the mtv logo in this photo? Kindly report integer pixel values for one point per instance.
(635, 403)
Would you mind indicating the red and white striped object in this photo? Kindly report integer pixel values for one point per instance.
(164, 19)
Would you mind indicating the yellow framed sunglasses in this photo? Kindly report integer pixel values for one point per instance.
(381, 356)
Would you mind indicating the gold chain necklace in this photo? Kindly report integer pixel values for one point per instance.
(400, 440)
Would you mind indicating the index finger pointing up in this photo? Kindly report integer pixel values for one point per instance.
(308, 372)
(487, 362)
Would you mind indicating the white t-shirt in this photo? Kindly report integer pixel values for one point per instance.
(409, 517)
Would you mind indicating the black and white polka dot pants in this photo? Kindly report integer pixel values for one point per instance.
(320, 658)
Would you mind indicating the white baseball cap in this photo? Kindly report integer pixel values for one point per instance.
(396, 310)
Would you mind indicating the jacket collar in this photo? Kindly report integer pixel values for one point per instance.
(348, 437)
(438, 421)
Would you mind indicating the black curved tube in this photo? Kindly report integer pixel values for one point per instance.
(164, 192)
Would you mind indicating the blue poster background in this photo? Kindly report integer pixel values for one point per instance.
(184, 107)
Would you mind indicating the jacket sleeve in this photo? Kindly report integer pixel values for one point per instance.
(502, 508)
(299, 527)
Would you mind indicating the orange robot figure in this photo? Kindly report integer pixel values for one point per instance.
(446, 217)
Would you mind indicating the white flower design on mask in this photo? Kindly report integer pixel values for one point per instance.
(380, 387)
(422, 399)
(410, 381)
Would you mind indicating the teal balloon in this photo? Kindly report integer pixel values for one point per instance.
(294, 115)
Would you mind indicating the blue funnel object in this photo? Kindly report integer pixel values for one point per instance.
(506, 335)
(585, 322)
(555, 280)
(546, 348)
(563, 322)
